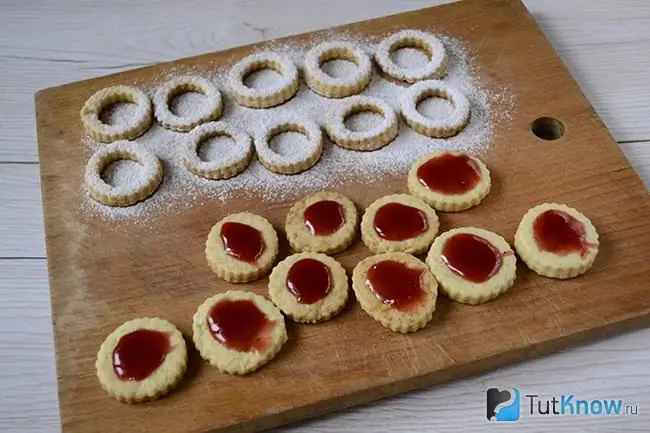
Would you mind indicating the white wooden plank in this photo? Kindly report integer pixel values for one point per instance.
(40, 46)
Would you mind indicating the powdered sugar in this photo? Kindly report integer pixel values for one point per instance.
(410, 58)
(263, 79)
(435, 108)
(339, 68)
(364, 121)
(187, 104)
(123, 172)
(118, 114)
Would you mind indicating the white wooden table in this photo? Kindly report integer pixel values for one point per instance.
(606, 45)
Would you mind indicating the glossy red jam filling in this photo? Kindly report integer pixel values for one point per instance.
(395, 284)
(471, 257)
(309, 281)
(324, 217)
(449, 174)
(398, 222)
(558, 232)
(240, 325)
(242, 241)
(139, 353)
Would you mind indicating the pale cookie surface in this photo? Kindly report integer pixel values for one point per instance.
(339, 87)
(441, 127)
(227, 266)
(233, 361)
(288, 279)
(266, 97)
(210, 109)
(464, 181)
(404, 320)
(304, 236)
(128, 193)
(573, 243)
(415, 244)
(165, 377)
(431, 45)
(136, 125)
(456, 282)
(372, 139)
(223, 167)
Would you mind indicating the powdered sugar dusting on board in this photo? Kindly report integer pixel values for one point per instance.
(180, 188)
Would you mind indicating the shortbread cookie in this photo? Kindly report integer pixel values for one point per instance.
(141, 360)
(449, 181)
(397, 290)
(442, 127)
(264, 98)
(372, 139)
(210, 109)
(431, 45)
(399, 222)
(219, 168)
(131, 192)
(324, 222)
(238, 332)
(241, 247)
(131, 128)
(331, 87)
(472, 265)
(556, 241)
(295, 163)
(309, 287)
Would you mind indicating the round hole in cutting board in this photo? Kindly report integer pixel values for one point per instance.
(547, 128)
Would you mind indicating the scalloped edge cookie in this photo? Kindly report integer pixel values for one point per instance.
(328, 86)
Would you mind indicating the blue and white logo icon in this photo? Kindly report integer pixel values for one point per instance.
(502, 404)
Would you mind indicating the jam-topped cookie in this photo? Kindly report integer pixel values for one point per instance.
(309, 287)
(449, 181)
(241, 247)
(556, 241)
(324, 222)
(472, 265)
(397, 290)
(399, 222)
(141, 360)
(238, 332)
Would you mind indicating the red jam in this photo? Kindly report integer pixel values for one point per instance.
(324, 217)
(309, 280)
(240, 325)
(395, 284)
(398, 222)
(558, 232)
(472, 257)
(139, 353)
(242, 241)
(449, 174)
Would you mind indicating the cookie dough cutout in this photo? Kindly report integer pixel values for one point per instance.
(449, 181)
(324, 222)
(297, 162)
(368, 140)
(268, 97)
(331, 87)
(309, 287)
(238, 332)
(472, 265)
(128, 193)
(220, 168)
(435, 127)
(210, 109)
(397, 290)
(141, 360)
(431, 45)
(399, 222)
(241, 247)
(136, 125)
(557, 241)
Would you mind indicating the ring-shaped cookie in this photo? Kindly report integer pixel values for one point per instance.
(210, 109)
(220, 168)
(139, 122)
(290, 164)
(264, 98)
(372, 139)
(431, 45)
(340, 87)
(130, 193)
(438, 128)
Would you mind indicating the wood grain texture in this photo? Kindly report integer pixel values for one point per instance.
(548, 315)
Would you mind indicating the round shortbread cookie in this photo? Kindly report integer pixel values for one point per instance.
(309, 287)
(467, 275)
(331, 87)
(410, 309)
(134, 338)
(572, 241)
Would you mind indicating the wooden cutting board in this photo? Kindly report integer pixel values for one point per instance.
(100, 278)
